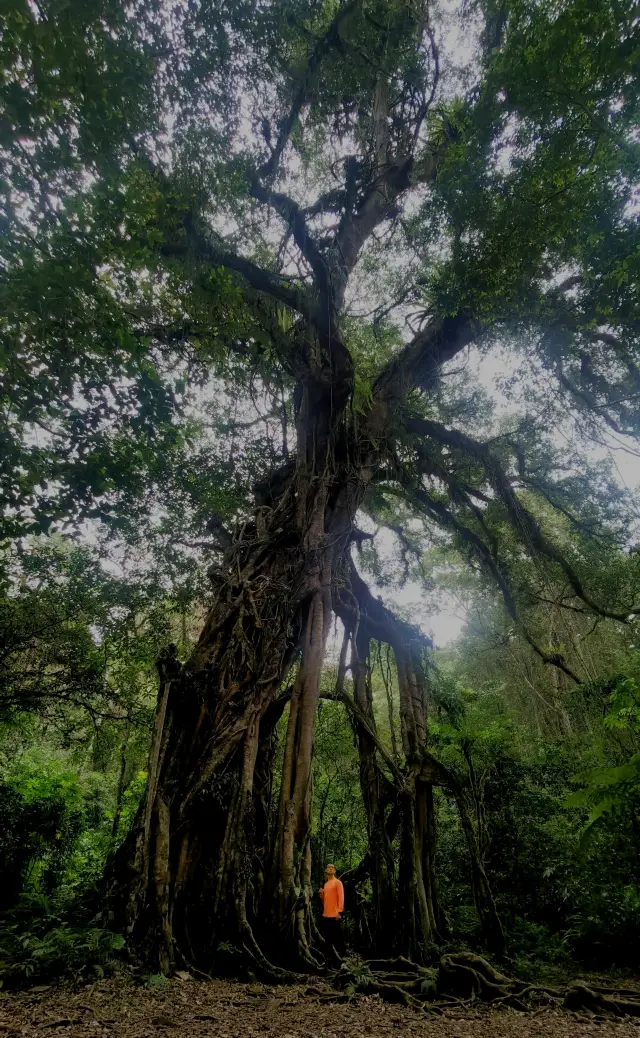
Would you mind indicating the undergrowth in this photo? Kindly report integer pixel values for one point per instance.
(37, 944)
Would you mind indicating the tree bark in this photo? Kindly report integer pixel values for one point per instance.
(376, 798)
(291, 870)
(200, 871)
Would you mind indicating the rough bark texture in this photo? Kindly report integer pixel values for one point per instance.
(378, 794)
(202, 867)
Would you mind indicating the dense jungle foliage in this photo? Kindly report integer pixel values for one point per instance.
(320, 319)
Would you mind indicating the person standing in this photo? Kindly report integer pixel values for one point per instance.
(332, 897)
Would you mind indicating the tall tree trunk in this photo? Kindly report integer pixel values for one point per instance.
(418, 888)
(121, 784)
(376, 798)
(291, 870)
(197, 871)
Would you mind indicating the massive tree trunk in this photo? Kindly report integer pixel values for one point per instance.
(201, 869)
(209, 865)
(418, 889)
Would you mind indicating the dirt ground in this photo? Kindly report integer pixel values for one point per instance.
(225, 1009)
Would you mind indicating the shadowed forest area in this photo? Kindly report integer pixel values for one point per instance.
(319, 535)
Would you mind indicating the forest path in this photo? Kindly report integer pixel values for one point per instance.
(224, 1009)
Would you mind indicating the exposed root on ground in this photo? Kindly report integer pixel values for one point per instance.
(462, 978)
(264, 969)
(618, 1003)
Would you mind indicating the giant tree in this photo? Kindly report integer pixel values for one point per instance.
(330, 204)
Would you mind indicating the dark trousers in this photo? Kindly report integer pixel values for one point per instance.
(331, 930)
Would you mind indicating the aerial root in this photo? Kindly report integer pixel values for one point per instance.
(266, 970)
(464, 979)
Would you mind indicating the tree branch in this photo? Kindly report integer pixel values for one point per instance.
(416, 366)
(424, 108)
(293, 215)
(327, 42)
(521, 519)
(378, 203)
(441, 514)
(340, 696)
(390, 176)
(196, 244)
(590, 401)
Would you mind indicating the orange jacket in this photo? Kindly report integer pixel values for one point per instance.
(332, 894)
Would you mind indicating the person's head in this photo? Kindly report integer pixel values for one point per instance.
(329, 871)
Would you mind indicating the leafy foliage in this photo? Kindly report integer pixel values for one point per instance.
(36, 944)
(614, 790)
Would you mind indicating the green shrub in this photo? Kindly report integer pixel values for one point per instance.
(37, 944)
(36, 837)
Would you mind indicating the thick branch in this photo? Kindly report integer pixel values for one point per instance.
(293, 215)
(391, 174)
(195, 244)
(378, 204)
(417, 365)
(383, 625)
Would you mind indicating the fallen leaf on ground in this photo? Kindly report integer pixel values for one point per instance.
(228, 1009)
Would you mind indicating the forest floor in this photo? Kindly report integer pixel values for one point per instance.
(118, 1007)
